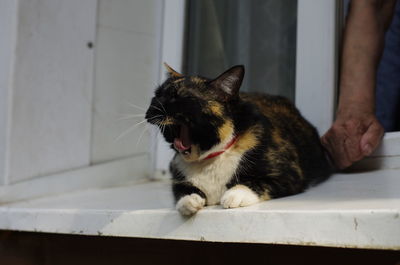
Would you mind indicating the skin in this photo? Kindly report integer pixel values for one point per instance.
(356, 132)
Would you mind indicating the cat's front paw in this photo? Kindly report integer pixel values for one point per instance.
(190, 204)
(239, 196)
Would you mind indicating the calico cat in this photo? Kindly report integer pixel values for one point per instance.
(234, 149)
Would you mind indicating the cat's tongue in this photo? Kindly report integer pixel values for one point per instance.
(183, 142)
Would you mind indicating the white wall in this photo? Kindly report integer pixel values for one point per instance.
(51, 87)
(171, 51)
(8, 14)
(60, 99)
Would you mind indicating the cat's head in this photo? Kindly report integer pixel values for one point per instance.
(194, 113)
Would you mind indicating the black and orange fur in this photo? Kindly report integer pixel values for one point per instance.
(280, 151)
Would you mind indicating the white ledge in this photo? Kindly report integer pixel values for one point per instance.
(349, 210)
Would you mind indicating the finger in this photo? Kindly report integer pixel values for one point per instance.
(352, 148)
(328, 149)
(372, 137)
(354, 132)
(342, 143)
(333, 142)
(324, 140)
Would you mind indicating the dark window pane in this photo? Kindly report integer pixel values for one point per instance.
(261, 34)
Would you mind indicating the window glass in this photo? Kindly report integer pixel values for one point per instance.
(260, 34)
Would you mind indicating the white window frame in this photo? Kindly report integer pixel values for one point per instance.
(171, 52)
(316, 61)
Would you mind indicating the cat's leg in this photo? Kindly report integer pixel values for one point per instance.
(240, 195)
(189, 199)
(280, 179)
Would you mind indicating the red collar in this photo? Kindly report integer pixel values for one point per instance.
(227, 146)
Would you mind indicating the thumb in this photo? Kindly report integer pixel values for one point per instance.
(371, 138)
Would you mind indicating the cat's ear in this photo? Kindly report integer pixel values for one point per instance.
(172, 72)
(229, 82)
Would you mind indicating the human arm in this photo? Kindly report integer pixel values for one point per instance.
(356, 132)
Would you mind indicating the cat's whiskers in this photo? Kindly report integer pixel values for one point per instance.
(158, 132)
(130, 129)
(157, 108)
(135, 106)
(131, 116)
(159, 121)
(156, 120)
(141, 135)
(163, 142)
(162, 127)
(165, 112)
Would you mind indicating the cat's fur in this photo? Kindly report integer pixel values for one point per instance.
(233, 149)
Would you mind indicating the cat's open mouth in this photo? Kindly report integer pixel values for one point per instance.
(182, 142)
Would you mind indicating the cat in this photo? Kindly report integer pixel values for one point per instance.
(231, 148)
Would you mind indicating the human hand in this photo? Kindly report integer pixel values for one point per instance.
(354, 135)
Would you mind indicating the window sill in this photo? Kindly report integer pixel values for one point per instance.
(359, 210)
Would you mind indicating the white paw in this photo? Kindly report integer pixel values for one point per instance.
(190, 204)
(239, 196)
